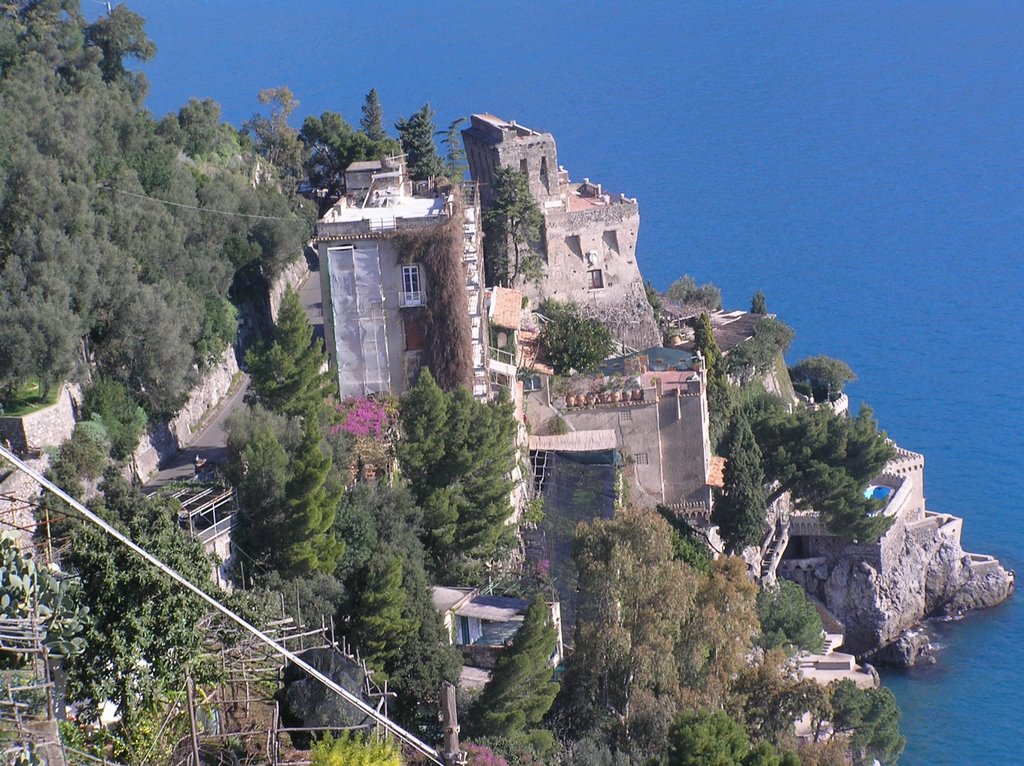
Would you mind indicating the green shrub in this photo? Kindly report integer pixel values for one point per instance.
(355, 750)
(788, 618)
(109, 403)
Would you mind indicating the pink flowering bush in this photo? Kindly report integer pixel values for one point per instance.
(362, 417)
(481, 755)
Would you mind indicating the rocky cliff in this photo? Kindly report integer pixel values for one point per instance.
(925, 573)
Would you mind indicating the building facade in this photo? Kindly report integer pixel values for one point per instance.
(377, 296)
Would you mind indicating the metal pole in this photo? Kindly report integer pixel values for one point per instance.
(190, 690)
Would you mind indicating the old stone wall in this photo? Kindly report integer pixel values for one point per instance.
(43, 428)
(18, 494)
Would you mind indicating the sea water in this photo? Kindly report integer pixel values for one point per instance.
(861, 163)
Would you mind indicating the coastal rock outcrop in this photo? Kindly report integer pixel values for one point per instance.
(916, 571)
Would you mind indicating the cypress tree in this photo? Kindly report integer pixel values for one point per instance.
(286, 375)
(740, 509)
(719, 396)
(521, 689)
(424, 415)
(372, 123)
(310, 506)
(512, 222)
(380, 628)
(417, 137)
(457, 454)
(758, 304)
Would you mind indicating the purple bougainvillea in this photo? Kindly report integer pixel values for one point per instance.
(481, 755)
(363, 417)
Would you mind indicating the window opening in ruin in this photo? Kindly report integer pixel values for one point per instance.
(596, 278)
(611, 242)
(523, 167)
(575, 246)
(544, 172)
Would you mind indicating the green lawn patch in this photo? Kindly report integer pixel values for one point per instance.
(27, 398)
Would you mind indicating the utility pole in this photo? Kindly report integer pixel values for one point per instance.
(452, 753)
(190, 691)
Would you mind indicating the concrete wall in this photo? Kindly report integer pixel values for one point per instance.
(637, 435)
(43, 428)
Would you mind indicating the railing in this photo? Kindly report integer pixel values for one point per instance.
(212, 533)
(412, 299)
(502, 355)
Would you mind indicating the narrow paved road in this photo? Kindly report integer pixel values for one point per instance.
(209, 444)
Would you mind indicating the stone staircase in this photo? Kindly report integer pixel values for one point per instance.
(774, 548)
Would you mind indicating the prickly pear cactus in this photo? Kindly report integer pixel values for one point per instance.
(26, 588)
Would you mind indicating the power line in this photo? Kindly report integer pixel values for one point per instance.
(115, 190)
(382, 720)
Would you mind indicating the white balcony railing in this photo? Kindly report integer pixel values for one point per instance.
(408, 300)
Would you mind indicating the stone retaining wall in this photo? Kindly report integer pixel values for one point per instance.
(43, 428)
(17, 495)
(292, 276)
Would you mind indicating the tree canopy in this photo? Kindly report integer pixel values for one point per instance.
(458, 453)
(286, 372)
(141, 635)
(521, 689)
(872, 719)
(740, 510)
(704, 297)
(825, 376)
(332, 145)
(572, 341)
(372, 122)
(788, 618)
(98, 269)
(826, 461)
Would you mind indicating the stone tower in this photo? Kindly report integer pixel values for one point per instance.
(589, 236)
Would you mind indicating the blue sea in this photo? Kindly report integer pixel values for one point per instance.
(861, 163)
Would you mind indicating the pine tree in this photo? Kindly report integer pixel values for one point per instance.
(286, 375)
(307, 541)
(380, 628)
(417, 137)
(521, 689)
(741, 508)
(372, 123)
(758, 304)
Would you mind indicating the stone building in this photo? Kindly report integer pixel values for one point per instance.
(379, 302)
(589, 235)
